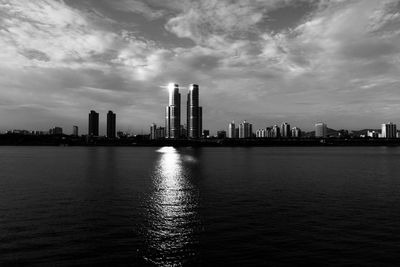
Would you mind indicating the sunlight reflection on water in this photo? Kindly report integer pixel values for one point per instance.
(173, 216)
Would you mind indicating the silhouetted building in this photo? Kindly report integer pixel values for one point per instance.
(221, 134)
(56, 131)
(343, 133)
(93, 123)
(206, 133)
(296, 132)
(285, 130)
(122, 135)
(268, 132)
(111, 124)
(173, 112)
(389, 130)
(245, 130)
(194, 112)
(321, 130)
(232, 130)
(75, 130)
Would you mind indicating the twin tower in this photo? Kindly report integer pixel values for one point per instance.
(173, 128)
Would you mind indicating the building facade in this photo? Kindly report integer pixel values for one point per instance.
(285, 130)
(173, 112)
(321, 130)
(232, 130)
(275, 131)
(111, 124)
(194, 113)
(261, 133)
(389, 130)
(93, 123)
(373, 134)
(156, 132)
(245, 130)
(296, 132)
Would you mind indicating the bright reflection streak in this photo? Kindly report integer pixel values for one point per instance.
(173, 215)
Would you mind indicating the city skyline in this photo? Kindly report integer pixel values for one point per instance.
(264, 61)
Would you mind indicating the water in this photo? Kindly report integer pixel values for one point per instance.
(126, 206)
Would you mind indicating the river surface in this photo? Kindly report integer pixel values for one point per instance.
(260, 206)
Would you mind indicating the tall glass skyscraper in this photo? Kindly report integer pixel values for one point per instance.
(173, 112)
(194, 113)
(93, 123)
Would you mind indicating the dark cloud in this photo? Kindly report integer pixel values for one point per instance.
(35, 54)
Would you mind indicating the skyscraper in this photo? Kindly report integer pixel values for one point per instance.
(194, 113)
(93, 123)
(276, 133)
(153, 131)
(173, 112)
(285, 130)
(75, 130)
(296, 132)
(245, 130)
(231, 130)
(111, 124)
(261, 133)
(389, 130)
(321, 130)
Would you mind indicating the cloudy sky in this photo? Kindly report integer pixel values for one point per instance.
(266, 61)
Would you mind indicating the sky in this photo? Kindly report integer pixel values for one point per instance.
(264, 61)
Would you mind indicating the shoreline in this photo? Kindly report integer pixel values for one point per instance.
(141, 141)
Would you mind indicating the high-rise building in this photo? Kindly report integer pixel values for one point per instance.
(321, 130)
(389, 130)
(75, 130)
(93, 123)
(245, 130)
(231, 130)
(285, 130)
(261, 133)
(153, 131)
(237, 132)
(268, 132)
(173, 112)
(296, 132)
(275, 131)
(111, 124)
(194, 112)
(156, 132)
